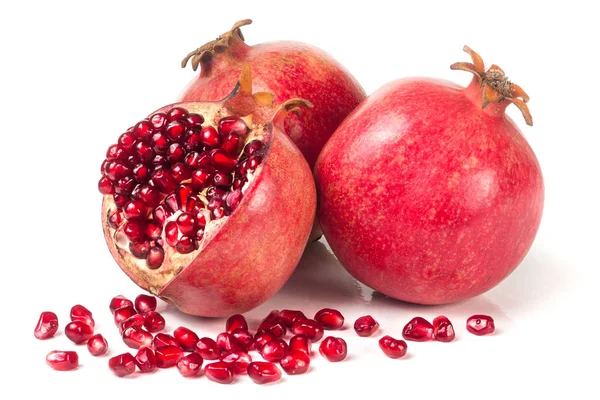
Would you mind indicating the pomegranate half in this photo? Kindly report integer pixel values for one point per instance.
(209, 205)
(428, 192)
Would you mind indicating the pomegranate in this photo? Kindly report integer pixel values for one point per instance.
(154, 322)
(428, 192)
(274, 350)
(308, 327)
(443, 330)
(190, 365)
(144, 303)
(219, 371)
(263, 372)
(78, 332)
(145, 359)
(301, 343)
(97, 345)
(162, 340)
(418, 329)
(80, 313)
(236, 321)
(295, 362)
(334, 349)
(393, 348)
(480, 325)
(365, 326)
(47, 326)
(208, 349)
(330, 319)
(197, 200)
(167, 356)
(122, 365)
(238, 360)
(62, 360)
(119, 302)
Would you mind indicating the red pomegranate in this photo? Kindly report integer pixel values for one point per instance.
(428, 192)
(209, 205)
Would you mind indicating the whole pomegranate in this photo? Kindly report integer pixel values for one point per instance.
(428, 192)
(209, 204)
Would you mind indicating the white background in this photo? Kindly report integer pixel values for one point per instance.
(75, 75)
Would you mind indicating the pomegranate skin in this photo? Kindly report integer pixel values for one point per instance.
(426, 197)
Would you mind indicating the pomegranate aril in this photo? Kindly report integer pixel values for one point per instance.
(418, 330)
(186, 223)
(154, 322)
(365, 326)
(106, 186)
(392, 348)
(175, 153)
(480, 324)
(273, 323)
(160, 143)
(163, 181)
(158, 121)
(127, 140)
(186, 245)
(301, 343)
(233, 199)
(253, 163)
(135, 209)
(155, 258)
(231, 144)
(153, 231)
(163, 339)
(145, 152)
(443, 331)
(160, 214)
(222, 179)
(62, 360)
(329, 318)
(238, 360)
(236, 321)
(121, 314)
(116, 152)
(238, 183)
(145, 359)
(215, 193)
(222, 161)
(140, 249)
(119, 302)
(262, 372)
(252, 147)
(80, 313)
(176, 131)
(78, 332)
(134, 320)
(46, 326)
(290, 316)
(262, 338)
(135, 230)
(201, 179)
(220, 372)
(136, 337)
(232, 124)
(334, 349)
(195, 120)
(143, 130)
(147, 194)
(125, 186)
(208, 349)
(227, 342)
(308, 327)
(122, 365)
(97, 345)
(177, 113)
(115, 219)
(210, 137)
(244, 337)
(145, 303)
(193, 141)
(115, 170)
(120, 200)
(186, 338)
(190, 365)
(180, 172)
(167, 356)
(141, 173)
(274, 350)
(295, 362)
(171, 233)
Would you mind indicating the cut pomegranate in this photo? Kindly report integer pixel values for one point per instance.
(154, 322)
(121, 314)
(190, 365)
(167, 356)
(443, 331)
(145, 303)
(80, 313)
(186, 338)
(122, 365)
(334, 349)
(227, 342)
(97, 345)
(219, 372)
(366, 326)
(239, 361)
(245, 338)
(480, 324)
(236, 321)
(136, 337)
(274, 350)
(329, 318)
(162, 339)
(79, 332)
(262, 372)
(290, 316)
(418, 330)
(301, 343)
(393, 348)
(46, 326)
(134, 320)
(145, 359)
(295, 362)
(308, 327)
(208, 349)
(62, 360)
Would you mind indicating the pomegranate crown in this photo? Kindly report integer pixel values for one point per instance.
(495, 85)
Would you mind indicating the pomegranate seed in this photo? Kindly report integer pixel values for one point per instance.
(135, 230)
(222, 179)
(334, 349)
(177, 113)
(236, 321)
(145, 152)
(143, 130)
(232, 124)
(262, 338)
(62, 360)
(290, 316)
(365, 326)
(136, 337)
(480, 324)
(175, 153)
(158, 121)
(308, 327)
(200, 179)
(153, 231)
(443, 331)
(124, 186)
(220, 372)
(186, 223)
(263, 372)
(274, 350)
(127, 140)
(238, 360)
(160, 143)
(80, 313)
(186, 245)
(106, 186)
(134, 320)
(154, 322)
(252, 147)
(150, 196)
(210, 137)
(330, 318)
(392, 348)
(273, 323)
(233, 199)
(155, 258)
(295, 362)
(115, 170)
(176, 131)
(208, 349)
(253, 162)
(119, 302)
(139, 250)
(97, 345)
(145, 359)
(79, 332)
(238, 183)
(135, 209)
(244, 337)
(163, 181)
(121, 314)
(195, 120)
(190, 365)
(162, 340)
(418, 330)
(180, 172)
(115, 219)
(141, 173)
(186, 338)
(167, 356)
(231, 144)
(145, 303)
(227, 342)
(215, 193)
(122, 365)
(222, 161)
(46, 326)
(160, 214)
(301, 343)
(120, 201)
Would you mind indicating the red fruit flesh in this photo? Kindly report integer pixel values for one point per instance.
(393, 348)
(227, 342)
(119, 301)
(245, 338)
(97, 345)
(154, 322)
(167, 356)
(236, 321)
(208, 349)
(295, 362)
(263, 338)
(80, 313)
(262, 372)
(46, 326)
(463, 189)
(78, 332)
(238, 361)
(334, 349)
(144, 303)
(145, 359)
(162, 340)
(186, 338)
(136, 337)
(219, 372)
(221, 240)
(301, 343)
(123, 313)
(418, 330)
(122, 365)
(190, 365)
(308, 327)
(274, 350)
(365, 326)
(329, 318)
(62, 360)
(443, 331)
(480, 324)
